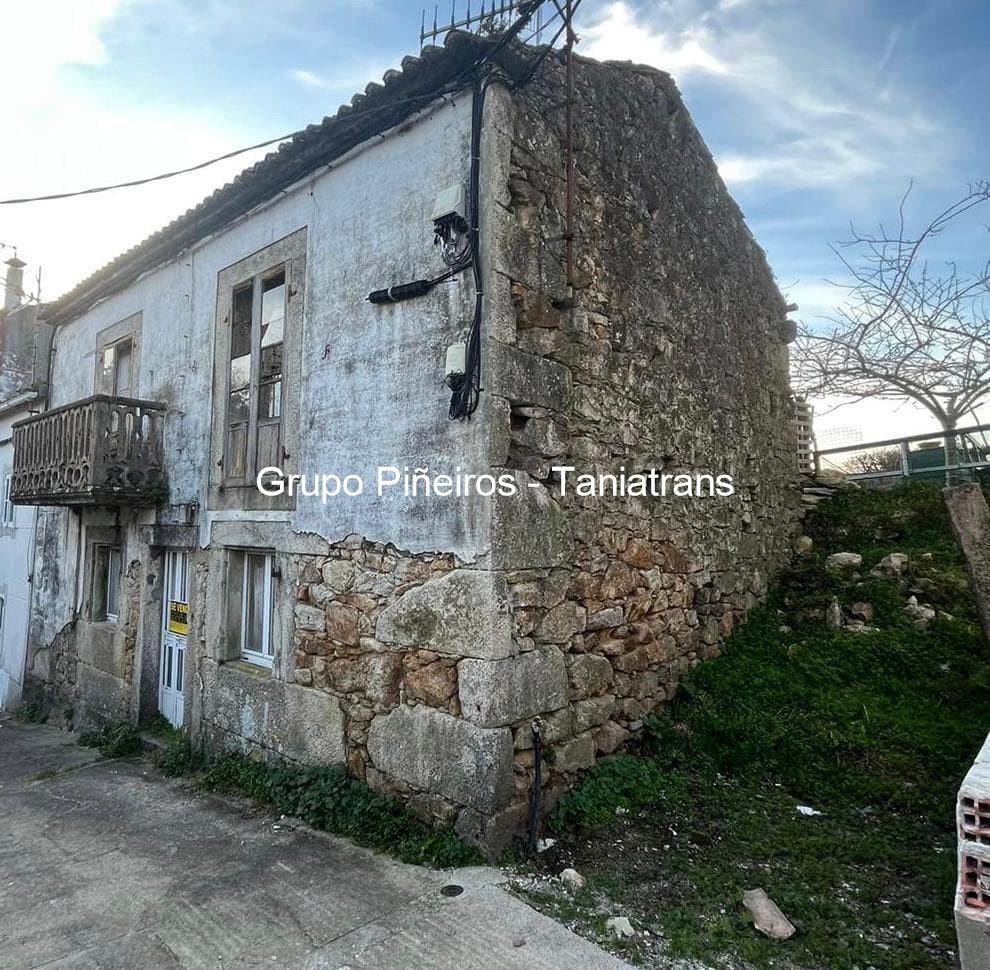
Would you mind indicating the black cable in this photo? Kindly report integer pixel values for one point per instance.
(358, 114)
(466, 390)
(406, 291)
(546, 51)
(151, 178)
(450, 88)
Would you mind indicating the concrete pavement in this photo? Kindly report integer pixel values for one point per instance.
(104, 864)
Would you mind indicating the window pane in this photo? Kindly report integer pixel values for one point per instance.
(240, 356)
(122, 370)
(271, 362)
(272, 310)
(254, 625)
(238, 406)
(240, 327)
(101, 562)
(270, 400)
(107, 370)
(8, 507)
(113, 582)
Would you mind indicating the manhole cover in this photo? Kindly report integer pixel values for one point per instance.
(451, 889)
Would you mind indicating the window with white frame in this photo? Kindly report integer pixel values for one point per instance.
(7, 509)
(107, 569)
(251, 587)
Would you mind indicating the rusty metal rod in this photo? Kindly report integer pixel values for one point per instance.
(569, 145)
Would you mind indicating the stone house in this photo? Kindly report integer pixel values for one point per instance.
(417, 637)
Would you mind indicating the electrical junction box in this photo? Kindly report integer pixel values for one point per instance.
(456, 359)
(450, 202)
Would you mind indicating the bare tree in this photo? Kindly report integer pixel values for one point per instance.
(905, 329)
(875, 461)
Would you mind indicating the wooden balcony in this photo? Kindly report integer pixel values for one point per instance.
(99, 451)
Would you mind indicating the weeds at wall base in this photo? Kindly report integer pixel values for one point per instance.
(114, 740)
(30, 714)
(325, 798)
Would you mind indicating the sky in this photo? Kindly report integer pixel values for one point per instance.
(820, 113)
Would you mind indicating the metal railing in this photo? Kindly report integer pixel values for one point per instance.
(101, 450)
(973, 454)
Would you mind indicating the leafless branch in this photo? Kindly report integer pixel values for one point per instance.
(905, 328)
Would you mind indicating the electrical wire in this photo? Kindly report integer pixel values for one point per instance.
(466, 388)
(152, 178)
(546, 50)
(360, 114)
(543, 26)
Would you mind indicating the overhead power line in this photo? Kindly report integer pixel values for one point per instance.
(152, 178)
(507, 36)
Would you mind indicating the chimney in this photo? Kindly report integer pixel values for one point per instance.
(15, 283)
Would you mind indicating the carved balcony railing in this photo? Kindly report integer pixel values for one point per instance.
(99, 451)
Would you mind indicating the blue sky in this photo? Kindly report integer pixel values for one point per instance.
(818, 111)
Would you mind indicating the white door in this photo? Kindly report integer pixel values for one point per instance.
(175, 629)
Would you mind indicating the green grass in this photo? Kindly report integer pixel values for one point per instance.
(30, 714)
(178, 758)
(114, 740)
(327, 799)
(874, 730)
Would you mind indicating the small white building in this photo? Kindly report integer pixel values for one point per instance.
(25, 342)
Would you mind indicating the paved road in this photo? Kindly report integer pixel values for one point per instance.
(104, 864)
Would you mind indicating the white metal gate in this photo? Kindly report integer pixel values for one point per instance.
(175, 629)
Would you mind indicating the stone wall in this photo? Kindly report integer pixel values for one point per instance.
(670, 353)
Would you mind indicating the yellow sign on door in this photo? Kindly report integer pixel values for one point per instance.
(178, 618)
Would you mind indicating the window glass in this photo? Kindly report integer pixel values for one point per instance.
(7, 513)
(256, 607)
(107, 565)
(122, 369)
(272, 327)
(240, 356)
(254, 625)
(107, 369)
(270, 400)
(272, 309)
(113, 583)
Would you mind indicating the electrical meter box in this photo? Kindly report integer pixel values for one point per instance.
(456, 359)
(450, 202)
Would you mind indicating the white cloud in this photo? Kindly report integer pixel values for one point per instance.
(61, 135)
(820, 124)
(309, 79)
(344, 82)
(619, 36)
